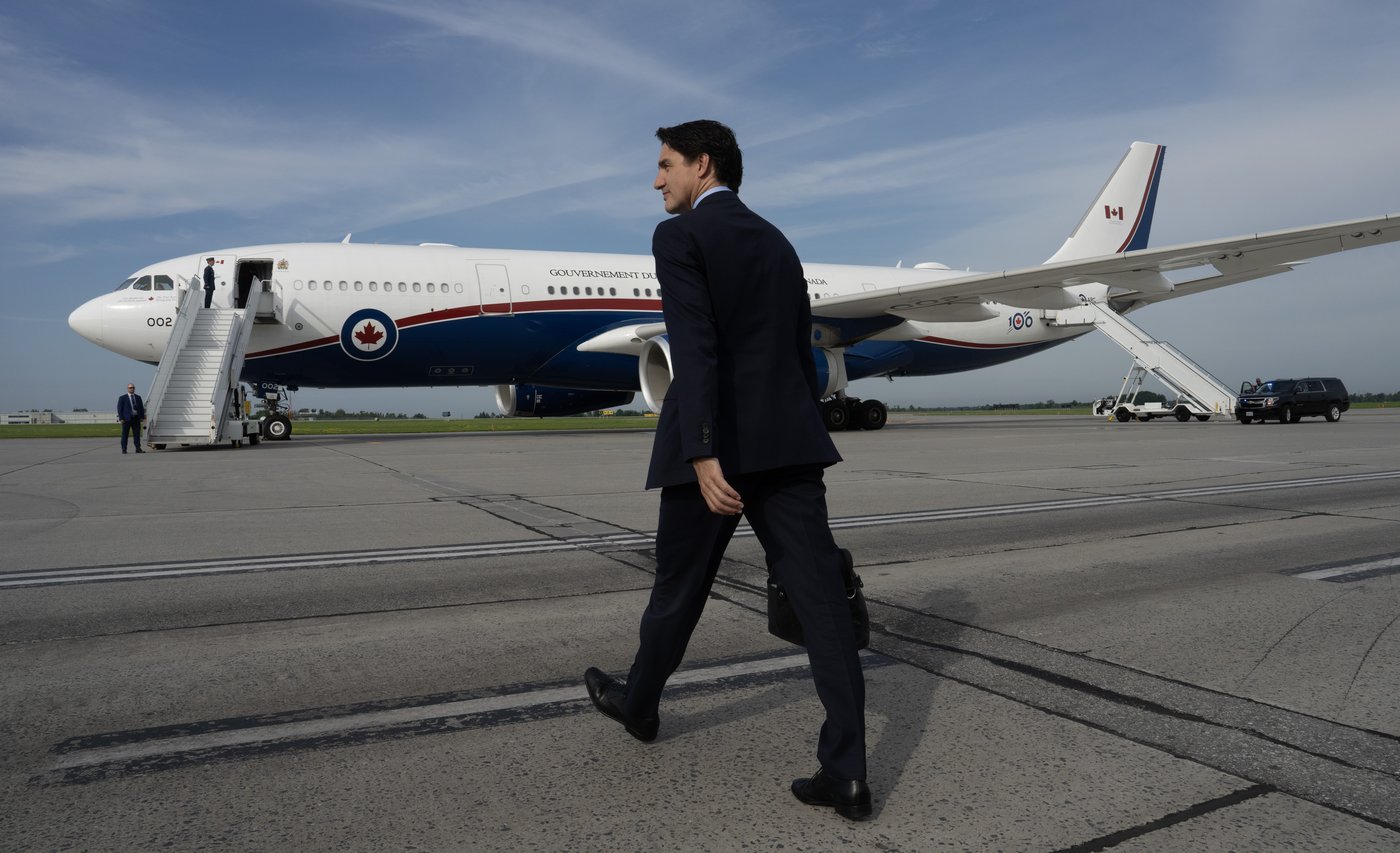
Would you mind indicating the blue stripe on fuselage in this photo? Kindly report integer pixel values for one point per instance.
(540, 348)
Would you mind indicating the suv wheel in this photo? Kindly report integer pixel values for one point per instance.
(1333, 414)
(1285, 415)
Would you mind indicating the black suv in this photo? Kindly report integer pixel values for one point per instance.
(1292, 399)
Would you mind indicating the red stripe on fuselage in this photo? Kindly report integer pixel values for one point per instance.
(970, 345)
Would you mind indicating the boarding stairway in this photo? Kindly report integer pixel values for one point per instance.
(195, 396)
(1195, 387)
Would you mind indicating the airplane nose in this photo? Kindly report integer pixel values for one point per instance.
(86, 320)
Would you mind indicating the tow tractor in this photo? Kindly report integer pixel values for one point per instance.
(1125, 407)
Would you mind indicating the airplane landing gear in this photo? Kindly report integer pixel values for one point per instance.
(841, 413)
(276, 425)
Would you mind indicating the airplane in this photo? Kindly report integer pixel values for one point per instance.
(561, 333)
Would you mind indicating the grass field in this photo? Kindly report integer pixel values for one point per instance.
(421, 425)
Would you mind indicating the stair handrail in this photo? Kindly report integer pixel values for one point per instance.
(187, 309)
(236, 340)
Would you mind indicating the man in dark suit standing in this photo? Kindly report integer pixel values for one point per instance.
(208, 282)
(740, 434)
(131, 412)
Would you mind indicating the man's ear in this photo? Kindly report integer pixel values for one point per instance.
(706, 165)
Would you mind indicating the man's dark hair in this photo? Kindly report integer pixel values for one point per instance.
(704, 136)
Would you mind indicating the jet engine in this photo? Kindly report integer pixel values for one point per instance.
(538, 401)
(839, 412)
(654, 370)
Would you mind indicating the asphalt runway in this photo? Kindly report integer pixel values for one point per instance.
(1088, 636)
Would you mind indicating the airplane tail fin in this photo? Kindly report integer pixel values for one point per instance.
(1121, 217)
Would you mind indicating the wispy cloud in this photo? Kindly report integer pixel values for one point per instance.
(556, 34)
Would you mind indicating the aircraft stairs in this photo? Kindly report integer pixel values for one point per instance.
(196, 397)
(1200, 392)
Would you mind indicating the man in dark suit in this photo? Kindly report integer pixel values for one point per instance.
(740, 433)
(131, 412)
(208, 282)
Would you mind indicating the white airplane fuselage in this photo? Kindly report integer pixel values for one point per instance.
(459, 316)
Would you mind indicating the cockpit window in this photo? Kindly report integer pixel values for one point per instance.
(164, 282)
(124, 285)
(142, 283)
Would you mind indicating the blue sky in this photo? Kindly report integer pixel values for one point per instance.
(969, 133)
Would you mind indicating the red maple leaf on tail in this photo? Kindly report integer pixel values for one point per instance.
(369, 335)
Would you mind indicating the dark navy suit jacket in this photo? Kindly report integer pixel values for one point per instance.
(208, 277)
(744, 388)
(125, 412)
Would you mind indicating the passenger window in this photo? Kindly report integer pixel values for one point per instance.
(417, 288)
(164, 282)
(143, 283)
(430, 287)
(359, 286)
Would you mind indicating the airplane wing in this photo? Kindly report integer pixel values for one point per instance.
(1135, 275)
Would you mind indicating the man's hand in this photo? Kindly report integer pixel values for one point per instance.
(719, 496)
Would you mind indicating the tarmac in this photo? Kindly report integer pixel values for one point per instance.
(1087, 636)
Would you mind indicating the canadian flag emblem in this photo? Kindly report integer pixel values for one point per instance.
(369, 337)
(1110, 212)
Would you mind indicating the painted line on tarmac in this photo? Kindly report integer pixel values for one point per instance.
(620, 541)
(1357, 570)
(93, 757)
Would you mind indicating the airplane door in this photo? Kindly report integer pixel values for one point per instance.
(494, 283)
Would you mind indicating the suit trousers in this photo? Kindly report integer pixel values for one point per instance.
(787, 510)
(132, 428)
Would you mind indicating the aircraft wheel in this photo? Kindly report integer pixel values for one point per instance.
(1333, 414)
(835, 415)
(871, 414)
(1183, 414)
(278, 428)
(1122, 415)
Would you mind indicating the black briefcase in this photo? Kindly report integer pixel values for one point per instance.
(782, 619)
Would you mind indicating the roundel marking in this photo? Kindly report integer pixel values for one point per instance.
(1017, 321)
(368, 335)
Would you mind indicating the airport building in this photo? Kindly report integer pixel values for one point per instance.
(58, 418)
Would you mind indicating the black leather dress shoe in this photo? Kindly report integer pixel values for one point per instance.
(607, 695)
(851, 799)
